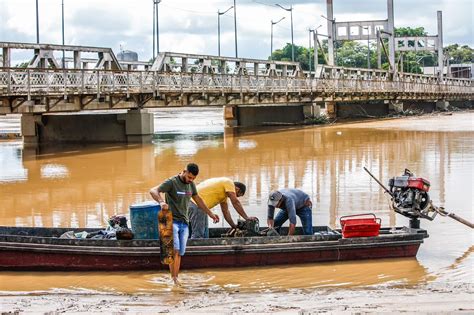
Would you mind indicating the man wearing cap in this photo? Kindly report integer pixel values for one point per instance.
(215, 191)
(292, 203)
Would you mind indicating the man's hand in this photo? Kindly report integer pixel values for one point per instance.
(270, 223)
(164, 205)
(291, 229)
(252, 218)
(215, 218)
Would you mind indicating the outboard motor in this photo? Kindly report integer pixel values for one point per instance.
(410, 194)
(410, 198)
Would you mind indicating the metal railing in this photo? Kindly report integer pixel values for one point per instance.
(48, 82)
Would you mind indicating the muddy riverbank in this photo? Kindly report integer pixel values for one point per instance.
(456, 299)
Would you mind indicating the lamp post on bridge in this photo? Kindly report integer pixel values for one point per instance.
(156, 26)
(154, 31)
(368, 42)
(309, 49)
(37, 24)
(316, 45)
(368, 46)
(290, 9)
(422, 58)
(271, 36)
(235, 29)
(62, 28)
(332, 43)
(219, 29)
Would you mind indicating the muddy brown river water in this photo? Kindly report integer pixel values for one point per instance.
(83, 186)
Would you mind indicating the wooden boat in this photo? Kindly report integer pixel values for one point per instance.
(29, 248)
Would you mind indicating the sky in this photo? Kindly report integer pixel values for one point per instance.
(188, 26)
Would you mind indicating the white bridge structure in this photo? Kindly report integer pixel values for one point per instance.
(176, 79)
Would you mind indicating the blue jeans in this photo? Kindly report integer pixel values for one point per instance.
(199, 221)
(305, 216)
(180, 236)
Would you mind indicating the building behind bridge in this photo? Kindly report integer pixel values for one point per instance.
(458, 70)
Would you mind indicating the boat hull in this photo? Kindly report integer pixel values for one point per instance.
(47, 254)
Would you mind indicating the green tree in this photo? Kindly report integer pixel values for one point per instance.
(410, 31)
(302, 55)
(459, 54)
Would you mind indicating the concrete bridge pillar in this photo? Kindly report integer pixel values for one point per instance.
(29, 129)
(442, 105)
(395, 106)
(331, 109)
(230, 116)
(312, 111)
(267, 115)
(135, 126)
(139, 125)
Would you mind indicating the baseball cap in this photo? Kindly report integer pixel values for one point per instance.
(274, 197)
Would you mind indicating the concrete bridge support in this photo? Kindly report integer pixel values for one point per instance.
(312, 111)
(252, 116)
(462, 104)
(356, 109)
(135, 126)
(442, 105)
(331, 109)
(395, 107)
(418, 106)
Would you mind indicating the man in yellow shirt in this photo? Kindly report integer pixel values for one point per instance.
(215, 191)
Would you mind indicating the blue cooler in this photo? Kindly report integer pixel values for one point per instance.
(144, 220)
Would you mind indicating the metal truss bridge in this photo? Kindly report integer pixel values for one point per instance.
(198, 80)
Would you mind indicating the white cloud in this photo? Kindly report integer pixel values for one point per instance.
(191, 26)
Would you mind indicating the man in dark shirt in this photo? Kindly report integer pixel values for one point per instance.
(292, 203)
(178, 192)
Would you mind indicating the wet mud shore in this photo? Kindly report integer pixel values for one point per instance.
(447, 299)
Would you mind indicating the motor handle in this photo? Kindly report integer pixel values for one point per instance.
(378, 182)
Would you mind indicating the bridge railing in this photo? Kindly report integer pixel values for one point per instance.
(30, 82)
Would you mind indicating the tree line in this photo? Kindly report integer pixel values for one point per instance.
(354, 54)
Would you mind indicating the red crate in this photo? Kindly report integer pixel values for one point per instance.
(360, 225)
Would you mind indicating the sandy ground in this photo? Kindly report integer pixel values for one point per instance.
(455, 299)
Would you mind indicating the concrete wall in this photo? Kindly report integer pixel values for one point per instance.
(426, 107)
(361, 109)
(135, 126)
(462, 104)
(267, 115)
(82, 128)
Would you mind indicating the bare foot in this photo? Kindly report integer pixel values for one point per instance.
(176, 282)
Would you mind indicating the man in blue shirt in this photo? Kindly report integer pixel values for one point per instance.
(292, 203)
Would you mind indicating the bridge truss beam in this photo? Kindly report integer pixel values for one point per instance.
(40, 90)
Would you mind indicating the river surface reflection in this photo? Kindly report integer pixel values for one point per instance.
(83, 186)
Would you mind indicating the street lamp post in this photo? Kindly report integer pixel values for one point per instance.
(37, 24)
(62, 27)
(316, 46)
(309, 50)
(154, 31)
(418, 62)
(368, 46)
(290, 9)
(235, 30)
(332, 42)
(271, 36)
(157, 2)
(219, 29)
